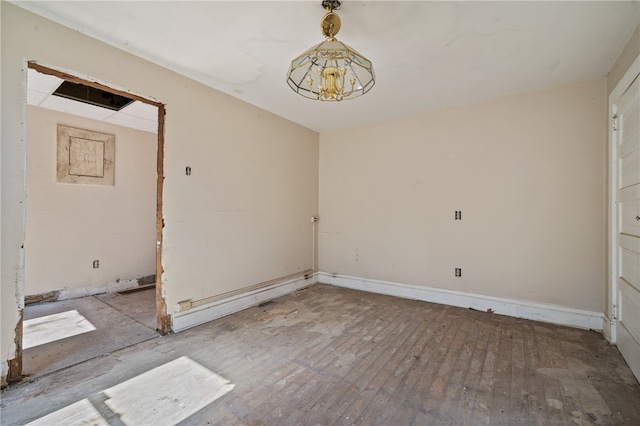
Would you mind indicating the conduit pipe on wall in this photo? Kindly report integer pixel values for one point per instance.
(207, 300)
(314, 219)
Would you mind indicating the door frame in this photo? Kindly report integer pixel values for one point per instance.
(611, 311)
(162, 318)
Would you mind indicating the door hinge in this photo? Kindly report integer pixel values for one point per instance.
(614, 122)
(614, 312)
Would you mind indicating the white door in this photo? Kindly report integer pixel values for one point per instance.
(627, 139)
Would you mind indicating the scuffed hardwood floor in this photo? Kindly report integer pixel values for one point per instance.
(326, 355)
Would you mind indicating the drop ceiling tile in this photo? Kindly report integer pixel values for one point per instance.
(141, 110)
(76, 108)
(42, 82)
(126, 120)
(34, 97)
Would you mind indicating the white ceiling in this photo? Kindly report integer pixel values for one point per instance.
(426, 55)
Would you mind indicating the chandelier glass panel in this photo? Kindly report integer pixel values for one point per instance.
(331, 70)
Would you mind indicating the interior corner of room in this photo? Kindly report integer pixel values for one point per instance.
(523, 204)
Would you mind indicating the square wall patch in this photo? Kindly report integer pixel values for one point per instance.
(85, 156)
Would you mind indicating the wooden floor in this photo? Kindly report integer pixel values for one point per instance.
(121, 320)
(326, 355)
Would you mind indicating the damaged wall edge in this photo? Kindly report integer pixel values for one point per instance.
(118, 286)
(50, 296)
(15, 365)
(163, 319)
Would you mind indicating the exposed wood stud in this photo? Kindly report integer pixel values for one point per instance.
(15, 365)
(164, 325)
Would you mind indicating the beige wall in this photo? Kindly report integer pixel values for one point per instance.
(70, 225)
(241, 218)
(527, 171)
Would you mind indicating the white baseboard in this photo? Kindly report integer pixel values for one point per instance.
(4, 373)
(515, 308)
(214, 310)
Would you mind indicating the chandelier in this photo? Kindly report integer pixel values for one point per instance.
(331, 70)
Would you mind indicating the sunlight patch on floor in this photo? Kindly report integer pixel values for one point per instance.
(81, 413)
(167, 394)
(38, 331)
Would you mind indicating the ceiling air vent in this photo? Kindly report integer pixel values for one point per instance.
(92, 96)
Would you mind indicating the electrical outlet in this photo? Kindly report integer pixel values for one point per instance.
(458, 272)
(96, 264)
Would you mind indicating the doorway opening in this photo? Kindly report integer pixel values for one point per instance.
(92, 274)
